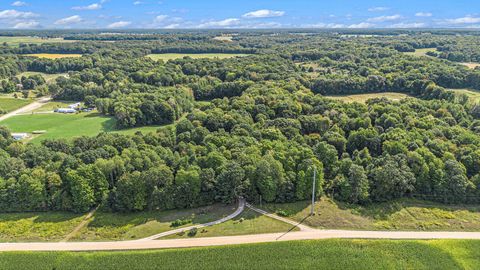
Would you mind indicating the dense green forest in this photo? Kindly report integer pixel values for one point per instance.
(254, 126)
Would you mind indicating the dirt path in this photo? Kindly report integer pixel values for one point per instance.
(292, 222)
(232, 240)
(80, 226)
(26, 109)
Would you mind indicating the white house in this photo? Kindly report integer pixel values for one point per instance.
(74, 106)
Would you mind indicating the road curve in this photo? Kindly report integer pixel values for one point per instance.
(241, 206)
(232, 240)
(28, 108)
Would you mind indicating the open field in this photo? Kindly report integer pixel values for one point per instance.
(397, 215)
(362, 98)
(422, 52)
(224, 38)
(128, 226)
(473, 94)
(54, 55)
(46, 76)
(471, 65)
(51, 226)
(16, 41)
(249, 222)
(67, 126)
(173, 56)
(314, 254)
(8, 104)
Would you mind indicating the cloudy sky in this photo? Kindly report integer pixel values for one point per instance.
(169, 14)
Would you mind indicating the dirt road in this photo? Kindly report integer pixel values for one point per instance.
(28, 108)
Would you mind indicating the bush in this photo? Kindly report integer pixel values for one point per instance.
(180, 222)
(192, 232)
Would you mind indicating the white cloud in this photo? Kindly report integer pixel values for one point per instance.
(408, 25)
(384, 18)
(119, 24)
(423, 14)
(362, 25)
(264, 13)
(94, 6)
(160, 18)
(26, 25)
(69, 20)
(136, 3)
(376, 9)
(15, 14)
(464, 20)
(19, 4)
(220, 24)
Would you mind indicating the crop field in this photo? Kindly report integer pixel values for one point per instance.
(362, 98)
(173, 56)
(313, 254)
(8, 104)
(54, 55)
(128, 226)
(422, 52)
(248, 222)
(67, 126)
(46, 76)
(406, 214)
(16, 41)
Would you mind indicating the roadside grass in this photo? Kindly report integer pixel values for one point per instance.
(403, 214)
(422, 52)
(342, 254)
(362, 98)
(128, 226)
(17, 40)
(11, 104)
(66, 126)
(48, 77)
(248, 222)
(173, 56)
(42, 226)
(54, 55)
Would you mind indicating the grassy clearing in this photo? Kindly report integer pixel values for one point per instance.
(471, 65)
(54, 55)
(248, 222)
(37, 226)
(16, 41)
(473, 95)
(11, 104)
(397, 215)
(47, 77)
(422, 52)
(224, 38)
(314, 254)
(362, 98)
(66, 126)
(173, 56)
(117, 226)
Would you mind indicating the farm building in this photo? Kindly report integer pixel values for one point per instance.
(19, 136)
(74, 106)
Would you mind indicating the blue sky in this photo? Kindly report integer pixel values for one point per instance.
(120, 14)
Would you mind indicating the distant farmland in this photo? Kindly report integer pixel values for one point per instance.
(16, 41)
(54, 55)
(173, 56)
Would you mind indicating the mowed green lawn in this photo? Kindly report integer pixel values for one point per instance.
(362, 98)
(11, 104)
(173, 56)
(248, 222)
(312, 254)
(67, 126)
(403, 214)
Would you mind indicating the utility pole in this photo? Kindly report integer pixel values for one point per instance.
(312, 212)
